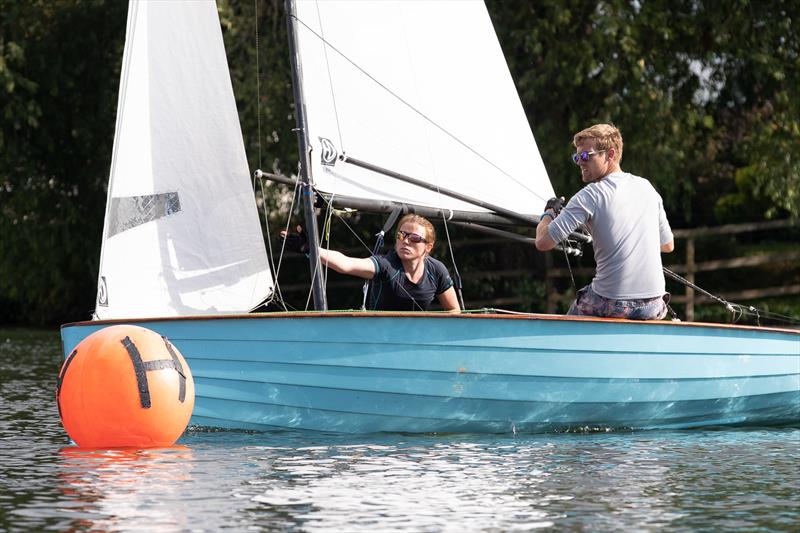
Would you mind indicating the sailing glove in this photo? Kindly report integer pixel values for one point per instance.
(296, 242)
(555, 204)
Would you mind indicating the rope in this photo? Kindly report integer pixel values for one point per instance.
(318, 264)
(564, 246)
(276, 293)
(326, 231)
(737, 310)
(335, 212)
(393, 216)
(689, 284)
(456, 273)
(270, 252)
(286, 229)
(330, 83)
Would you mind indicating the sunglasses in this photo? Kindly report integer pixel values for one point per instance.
(584, 156)
(412, 237)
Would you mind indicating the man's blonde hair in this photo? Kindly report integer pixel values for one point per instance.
(606, 136)
(430, 233)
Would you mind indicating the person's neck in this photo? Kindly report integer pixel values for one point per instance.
(414, 268)
(607, 174)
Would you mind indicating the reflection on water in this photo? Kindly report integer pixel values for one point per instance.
(295, 481)
(418, 486)
(136, 489)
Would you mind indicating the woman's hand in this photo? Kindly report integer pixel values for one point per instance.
(295, 242)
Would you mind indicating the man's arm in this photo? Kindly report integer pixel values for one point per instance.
(667, 248)
(543, 240)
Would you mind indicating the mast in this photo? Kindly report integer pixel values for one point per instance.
(320, 302)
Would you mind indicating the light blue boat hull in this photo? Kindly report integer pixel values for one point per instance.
(369, 372)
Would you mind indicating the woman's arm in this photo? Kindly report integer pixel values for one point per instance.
(362, 267)
(449, 301)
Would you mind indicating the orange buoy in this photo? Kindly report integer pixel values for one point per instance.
(125, 386)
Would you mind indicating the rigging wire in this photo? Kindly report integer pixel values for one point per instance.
(321, 36)
(317, 263)
(326, 231)
(737, 310)
(330, 83)
(378, 248)
(415, 110)
(456, 273)
(330, 211)
(276, 293)
(286, 229)
(564, 246)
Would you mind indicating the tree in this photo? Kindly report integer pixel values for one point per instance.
(58, 60)
(706, 100)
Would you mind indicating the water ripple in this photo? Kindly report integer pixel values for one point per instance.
(293, 481)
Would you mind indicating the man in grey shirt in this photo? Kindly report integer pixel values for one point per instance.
(629, 228)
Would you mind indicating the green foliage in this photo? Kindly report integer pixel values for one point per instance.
(58, 75)
(705, 94)
(702, 95)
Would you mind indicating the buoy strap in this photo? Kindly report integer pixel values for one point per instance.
(141, 368)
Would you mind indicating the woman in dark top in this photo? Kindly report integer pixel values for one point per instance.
(405, 279)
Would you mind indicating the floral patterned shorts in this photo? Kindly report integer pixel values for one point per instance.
(590, 303)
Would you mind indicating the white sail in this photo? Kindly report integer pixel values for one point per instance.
(420, 88)
(182, 235)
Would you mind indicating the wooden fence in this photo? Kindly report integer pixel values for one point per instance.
(346, 291)
(690, 267)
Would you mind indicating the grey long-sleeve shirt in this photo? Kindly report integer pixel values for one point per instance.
(626, 218)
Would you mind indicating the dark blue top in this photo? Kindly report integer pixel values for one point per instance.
(391, 290)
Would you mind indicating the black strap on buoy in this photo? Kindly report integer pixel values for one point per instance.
(141, 368)
(141, 373)
(61, 379)
(178, 368)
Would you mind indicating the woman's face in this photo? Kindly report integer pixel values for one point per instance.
(405, 247)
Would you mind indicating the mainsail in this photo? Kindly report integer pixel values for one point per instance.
(182, 235)
(420, 88)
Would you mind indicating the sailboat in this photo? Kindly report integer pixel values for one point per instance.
(382, 91)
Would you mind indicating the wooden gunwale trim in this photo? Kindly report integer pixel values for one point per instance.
(432, 314)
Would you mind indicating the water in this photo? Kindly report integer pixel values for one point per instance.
(723, 480)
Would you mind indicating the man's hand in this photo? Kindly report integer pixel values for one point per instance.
(556, 204)
(295, 242)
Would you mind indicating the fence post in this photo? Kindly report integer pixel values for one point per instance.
(549, 285)
(690, 276)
